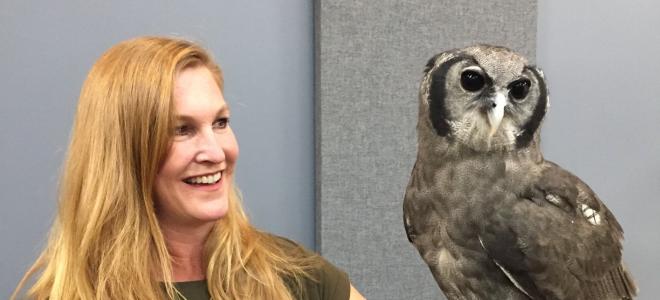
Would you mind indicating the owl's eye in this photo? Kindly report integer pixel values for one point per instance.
(519, 89)
(472, 81)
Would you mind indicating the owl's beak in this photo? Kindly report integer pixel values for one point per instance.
(496, 112)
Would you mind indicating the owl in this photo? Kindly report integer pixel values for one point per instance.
(488, 214)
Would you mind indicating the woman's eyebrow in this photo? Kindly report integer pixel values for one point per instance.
(183, 118)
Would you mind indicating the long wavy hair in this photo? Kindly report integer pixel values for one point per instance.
(106, 242)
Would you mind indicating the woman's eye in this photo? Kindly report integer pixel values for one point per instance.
(221, 123)
(182, 130)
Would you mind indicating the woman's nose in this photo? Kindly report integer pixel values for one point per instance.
(209, 147)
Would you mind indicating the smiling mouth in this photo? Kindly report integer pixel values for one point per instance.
(205, 179)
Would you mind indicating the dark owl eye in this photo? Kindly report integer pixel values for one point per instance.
(519, 89)
(472, 81)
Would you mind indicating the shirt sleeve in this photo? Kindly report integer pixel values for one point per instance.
(327, 283)
(333, 283)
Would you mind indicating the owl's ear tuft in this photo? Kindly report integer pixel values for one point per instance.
(538, 70)
(440, 58)
(540, 77)
(431, 63)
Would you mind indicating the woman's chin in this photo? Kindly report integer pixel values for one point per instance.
(211, 213)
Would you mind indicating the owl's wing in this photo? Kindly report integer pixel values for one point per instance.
(558, 241)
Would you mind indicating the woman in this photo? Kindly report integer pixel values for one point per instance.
(147, 204)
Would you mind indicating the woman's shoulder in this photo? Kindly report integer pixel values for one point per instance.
(326, 281)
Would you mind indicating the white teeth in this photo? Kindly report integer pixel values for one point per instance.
(208, 179)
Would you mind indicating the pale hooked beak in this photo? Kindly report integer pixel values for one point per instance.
(496, 112)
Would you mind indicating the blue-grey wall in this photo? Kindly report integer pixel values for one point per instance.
(47, 48)
(601, 61)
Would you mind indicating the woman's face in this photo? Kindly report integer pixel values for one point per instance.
(192, 185)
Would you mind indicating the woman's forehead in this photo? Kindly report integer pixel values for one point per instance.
(196, 92)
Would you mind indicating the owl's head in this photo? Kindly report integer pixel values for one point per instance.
(485, 98)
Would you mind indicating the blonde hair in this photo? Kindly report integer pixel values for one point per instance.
(106, 242)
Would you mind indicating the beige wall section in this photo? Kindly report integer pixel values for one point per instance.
(369, 60)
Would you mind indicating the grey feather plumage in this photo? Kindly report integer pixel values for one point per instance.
(490, 216)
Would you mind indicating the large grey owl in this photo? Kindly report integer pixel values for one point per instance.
(490, 216)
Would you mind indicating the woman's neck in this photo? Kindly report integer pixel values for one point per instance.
(186, 247)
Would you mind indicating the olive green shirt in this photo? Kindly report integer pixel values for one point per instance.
(333, 284)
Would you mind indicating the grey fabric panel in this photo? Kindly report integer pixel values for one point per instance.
(369, 60)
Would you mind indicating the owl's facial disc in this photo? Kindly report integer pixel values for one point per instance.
(485, 98)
